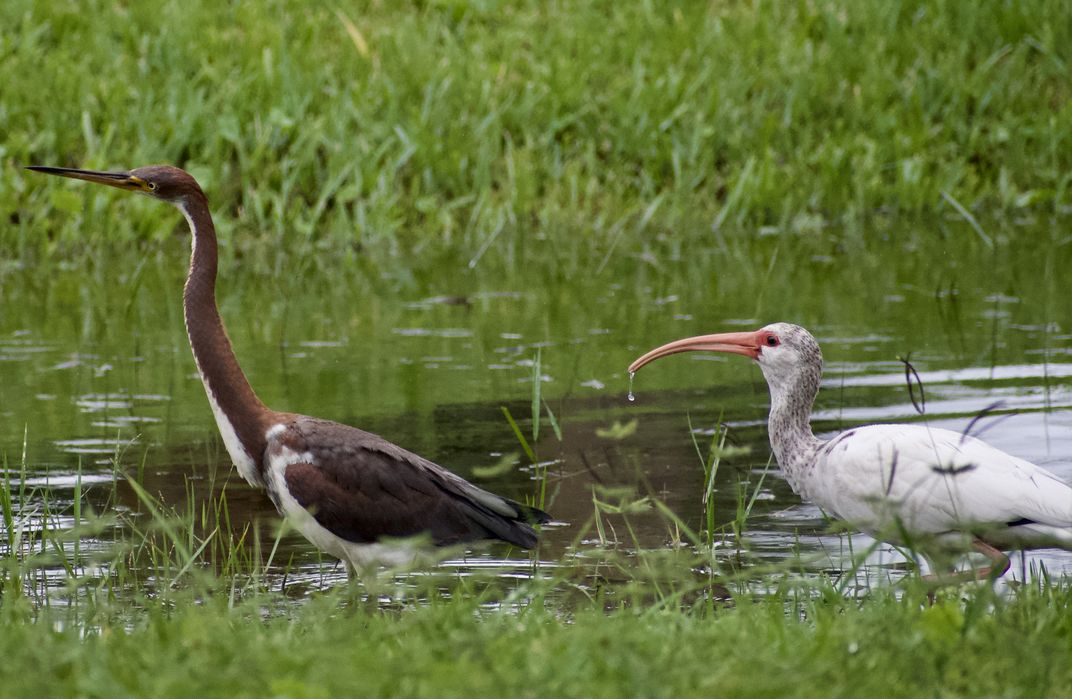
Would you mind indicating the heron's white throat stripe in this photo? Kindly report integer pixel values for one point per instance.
(181, 205)
(247, 467)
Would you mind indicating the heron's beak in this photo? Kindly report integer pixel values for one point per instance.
(122, 180)
(747, 344)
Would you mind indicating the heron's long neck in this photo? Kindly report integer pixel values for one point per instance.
(240, 415)
(794, 444)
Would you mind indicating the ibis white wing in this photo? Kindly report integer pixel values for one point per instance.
(895, 479)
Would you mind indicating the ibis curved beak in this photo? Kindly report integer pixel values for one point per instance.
(747, 344)
(122, 180)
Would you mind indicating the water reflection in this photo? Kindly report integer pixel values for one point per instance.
(109, 386)
(658, 460)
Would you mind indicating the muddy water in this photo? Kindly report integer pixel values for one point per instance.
(99, 386)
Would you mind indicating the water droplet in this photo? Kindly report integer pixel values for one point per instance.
(631, 396)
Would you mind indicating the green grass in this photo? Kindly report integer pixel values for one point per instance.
(791, 644)
(490, 127)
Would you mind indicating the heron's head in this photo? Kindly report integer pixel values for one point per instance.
(164, 182)
(782, 350)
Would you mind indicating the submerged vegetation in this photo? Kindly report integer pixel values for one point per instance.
(475, 194)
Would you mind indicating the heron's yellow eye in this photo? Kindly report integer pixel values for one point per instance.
(152, 186)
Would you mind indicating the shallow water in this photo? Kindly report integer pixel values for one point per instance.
(97, 378)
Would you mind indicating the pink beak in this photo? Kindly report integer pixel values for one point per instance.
(748, 344)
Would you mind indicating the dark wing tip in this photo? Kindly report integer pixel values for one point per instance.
(532, 515)
(515, 530)
(524, 534)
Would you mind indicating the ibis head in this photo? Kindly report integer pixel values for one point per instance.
(782, 350)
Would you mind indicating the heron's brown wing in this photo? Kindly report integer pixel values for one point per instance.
(363, 488)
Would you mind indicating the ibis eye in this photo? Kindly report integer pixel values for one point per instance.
(772, 341)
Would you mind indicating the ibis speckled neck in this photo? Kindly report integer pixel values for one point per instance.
(795, 446)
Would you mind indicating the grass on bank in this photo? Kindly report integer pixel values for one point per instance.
(477, 636)
(489, 127)
(789, 644)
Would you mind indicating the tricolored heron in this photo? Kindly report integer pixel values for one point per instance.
(345, 489)
(931, 488)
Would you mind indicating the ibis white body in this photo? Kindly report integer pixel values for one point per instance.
(909, 484)
(903, 481)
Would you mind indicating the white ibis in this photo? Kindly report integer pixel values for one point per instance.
(343, 488)
(932, 489)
